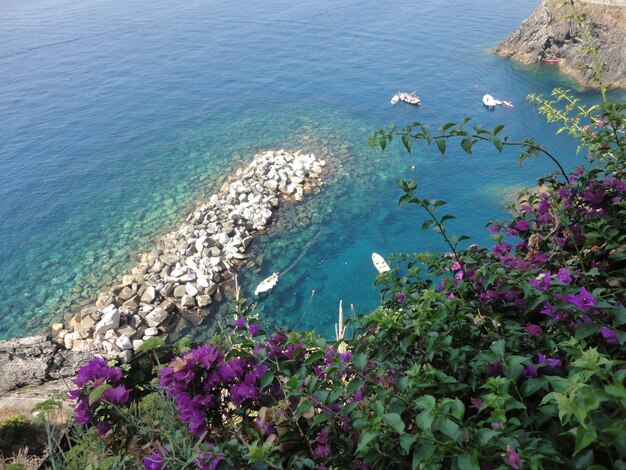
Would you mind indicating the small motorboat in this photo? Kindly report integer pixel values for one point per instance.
(552, 60)
(395, 99)
(379, 263)
(409, 98)
(266, 284)
(489, 102)
(508, 104)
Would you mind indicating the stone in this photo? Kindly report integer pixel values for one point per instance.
(203, 300)
(127, 330)
(149, 295)
(124, 343)
(125, 356)
(151, 332)
(135, 321)
(191, 289)
(126, 293)
(179, 291)
(57, 328)
(156, 317)
(188, 301)
(110, 320)
(137, 343)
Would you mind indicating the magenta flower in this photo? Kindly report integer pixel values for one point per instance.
(119, 394)
(521, 225)
(155, 461)
(476, 403)
(550, 362)
(400, 296)
(609, 335)
(533, 330)
(530, 372)
(583, 300)
(254, 329)
(564, 276)
(512, 458)
(322, 451)
(541, 282)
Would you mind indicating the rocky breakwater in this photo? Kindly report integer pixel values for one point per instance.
(193, 267)
(550, 33)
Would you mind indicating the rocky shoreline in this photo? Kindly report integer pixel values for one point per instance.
(550, 33)
(192, 268)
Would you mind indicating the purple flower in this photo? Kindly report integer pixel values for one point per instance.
(533, 330)
(119, 394)
(254, 329)
(322, 451)
(541, 282)
(512, 458)
(476, 403)
(550, 362)
(583, 300)
(521, 225)
(209, 461)
(82, 412)
(240, 392)
(400, 296)
(609, 335)
(156, 460)
(494, 368)
(564, 276)
(530, 372)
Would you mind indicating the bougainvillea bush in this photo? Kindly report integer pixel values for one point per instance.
(509, 356)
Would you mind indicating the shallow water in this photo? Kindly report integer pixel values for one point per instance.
(115, 119)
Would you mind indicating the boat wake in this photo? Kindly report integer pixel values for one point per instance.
(301, 255)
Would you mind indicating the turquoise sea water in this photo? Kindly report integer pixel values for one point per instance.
(116, 116)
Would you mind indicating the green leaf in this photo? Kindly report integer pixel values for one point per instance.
(354, 385)
(407, 143)
(441, 144)
(584, 437)
(497, 129)
(467, 462)
(426, 402)
(427, 224)
(450, 429)
(422, 452)
(266, 379)
(447, 217)
(466, 145)
(366, 438)
(425, 420)
(359, 361)
(97, 392)
(394, 421)
(533, 385)
(498, 144)
(485, 435)
(407, 441)
(447, 126)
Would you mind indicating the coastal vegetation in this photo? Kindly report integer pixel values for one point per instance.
(506, 356)
(503, 356)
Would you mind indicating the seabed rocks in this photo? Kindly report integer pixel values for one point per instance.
(192, 267)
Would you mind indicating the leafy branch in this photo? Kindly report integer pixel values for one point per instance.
(418, 131)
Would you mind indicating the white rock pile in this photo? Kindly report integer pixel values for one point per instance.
(190, 267)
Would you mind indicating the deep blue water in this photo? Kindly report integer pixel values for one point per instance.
(115, 116)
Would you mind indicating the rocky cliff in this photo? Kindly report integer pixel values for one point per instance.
(550, 33)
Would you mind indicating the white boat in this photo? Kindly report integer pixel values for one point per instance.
(266, 284)
(409, 98)
(395, 99)
(379, 263)
(489, 102)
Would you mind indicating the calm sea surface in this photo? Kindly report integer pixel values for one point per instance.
(116, 116)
